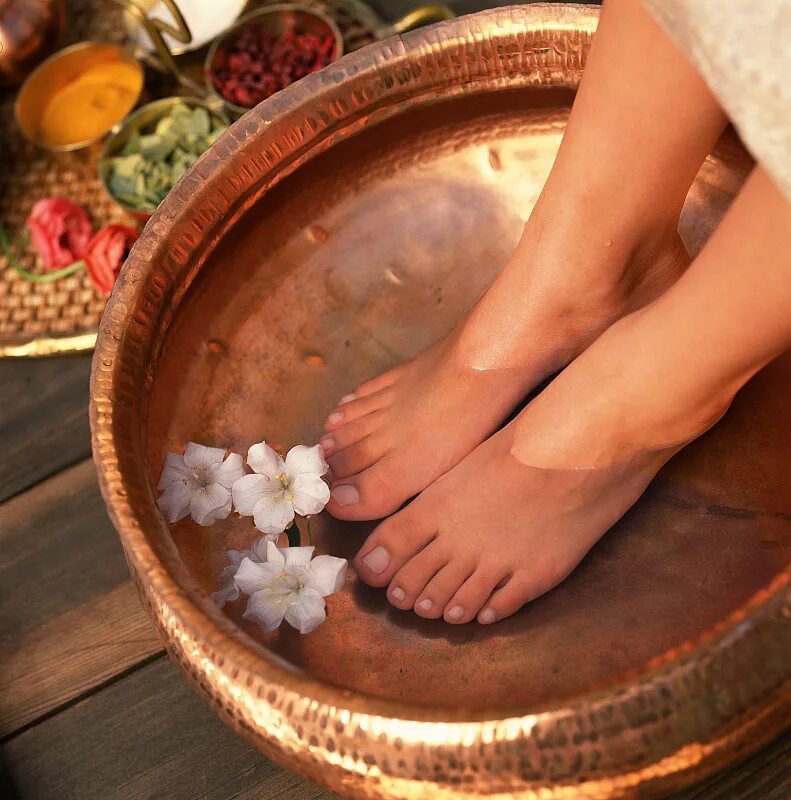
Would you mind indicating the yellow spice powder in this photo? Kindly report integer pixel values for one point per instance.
(91, 104)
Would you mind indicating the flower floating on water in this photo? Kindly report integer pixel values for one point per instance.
(199, 483)
(229, 591)
(280, 489)
(59, 230)
(289, 585)
(282, 583)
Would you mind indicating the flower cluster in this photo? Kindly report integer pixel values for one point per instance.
(287, 583)
(63, 237)
(281, 583)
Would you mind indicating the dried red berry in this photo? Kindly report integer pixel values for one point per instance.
(254, 65)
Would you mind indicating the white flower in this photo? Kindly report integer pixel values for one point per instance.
(279, 489)
(229, 591)
(199, 483)
(290, 586)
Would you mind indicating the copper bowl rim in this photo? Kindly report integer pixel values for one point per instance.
(133, 329)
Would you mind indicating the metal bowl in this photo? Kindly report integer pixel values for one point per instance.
(56, 72)
(274, 20)
(336, 229)
(143, 117)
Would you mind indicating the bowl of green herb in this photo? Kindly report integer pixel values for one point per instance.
(148, 151)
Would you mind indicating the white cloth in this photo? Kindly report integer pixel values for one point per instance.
(742, 48)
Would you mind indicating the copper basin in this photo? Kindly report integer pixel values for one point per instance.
(335, 230)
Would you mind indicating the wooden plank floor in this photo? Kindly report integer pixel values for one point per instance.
(90, 707)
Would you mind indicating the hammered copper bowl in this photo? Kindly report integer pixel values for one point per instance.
(333, 231)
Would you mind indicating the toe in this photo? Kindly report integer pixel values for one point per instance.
(509, 598)
(474, 592)
(347, 435)
(358, 457)
(434, 598)
(358, 408)
(391, 545)
(372, 494)
(411, 579)
(379, 382)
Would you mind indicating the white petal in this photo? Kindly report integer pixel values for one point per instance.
(175, 502)
(266, 610)
(308, 612)
(302, 459)
(311, 494)
(259, 547)
(326, 574)
(197, 456)
(252, 576)
(273, 513)
(174, 470)
(229, 471)
(249, 489)
(235, 558)
(265, 461)
(274, 555)
(229, 591)
(210, 504)
(296, 556)
(221, 512)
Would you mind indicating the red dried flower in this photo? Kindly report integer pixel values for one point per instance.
(105, 254)
(59, 230)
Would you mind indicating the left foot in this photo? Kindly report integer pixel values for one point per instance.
(515, 517)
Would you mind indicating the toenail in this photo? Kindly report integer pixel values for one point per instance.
(377, 560)
(345, 495)
(457, 612)
(336, 416)
(327, 443)
(424, 604)
(487, 616)
(347, 398)
(398, 593)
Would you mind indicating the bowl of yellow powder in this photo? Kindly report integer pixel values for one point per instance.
(77, 95)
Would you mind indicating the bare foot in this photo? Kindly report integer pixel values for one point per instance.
(399, 432)
(515, 517)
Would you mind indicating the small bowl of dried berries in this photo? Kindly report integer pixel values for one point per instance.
(267, 50)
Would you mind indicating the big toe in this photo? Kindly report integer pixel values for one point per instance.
(391, 545)
(373, 493)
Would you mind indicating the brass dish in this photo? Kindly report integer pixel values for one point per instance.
(141, 118)
(275, 20)
(29, 32)
(53, 74)
(334, 230)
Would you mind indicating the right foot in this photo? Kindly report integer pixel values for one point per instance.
(399, 432)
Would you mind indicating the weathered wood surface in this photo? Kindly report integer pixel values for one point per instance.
(69, 616)
(43, 418)
(147, 736)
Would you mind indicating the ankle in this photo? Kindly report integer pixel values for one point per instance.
(591, 234)
(619, 404)
(662, 400)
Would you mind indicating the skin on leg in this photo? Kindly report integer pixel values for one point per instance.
(601, 242)
(519, 513)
